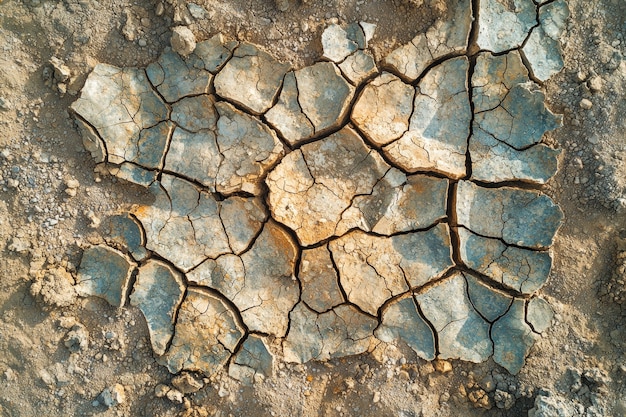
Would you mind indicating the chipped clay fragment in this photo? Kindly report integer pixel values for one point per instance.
(333, 243)
(439, 126)
(104, 272)
(253, 361)
(206, 334)
(158, 292)
(251, 78)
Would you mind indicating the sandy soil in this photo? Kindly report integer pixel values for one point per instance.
(579, 360)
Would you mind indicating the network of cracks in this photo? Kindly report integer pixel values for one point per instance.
(324, 210)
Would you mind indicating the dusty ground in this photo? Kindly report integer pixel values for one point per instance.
(42, 226)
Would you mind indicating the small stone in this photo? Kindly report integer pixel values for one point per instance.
(197, 11)
(77, 339)
(586, 104)
(187, 383)
(596, 84)
(183, 40)
(113, 396)
(442, 366)
(5, 104)
(175, 396)
(161, 390)
(551, 406)
(62, 72)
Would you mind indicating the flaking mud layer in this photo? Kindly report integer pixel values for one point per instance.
(337, 206)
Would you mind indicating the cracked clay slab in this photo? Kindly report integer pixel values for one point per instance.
(314, 213)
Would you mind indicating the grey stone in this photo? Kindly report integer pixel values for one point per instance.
(336, 43)
(446, 36)
(490, 303)
(113, 396)
(248, 148)
(261, 282)
(383, 109)
(319, 280)
(342, 331)
(551, 406)
(158, 292)
(496, 161)
(183, 40)
(124, 232)
(439, 127)
(251, 78)
(118, 104)
(520, 269)
(372, 269)
(183, 224)
(543, 49)
(504, 25)
(518, 217)
(175, 77)
(206, 334)
(401, 321)
(253, 361)
(462, 333)
(512, 338)
(521, 119)
(104, 272)
(539, 314)
(358, 67)
(215, 52)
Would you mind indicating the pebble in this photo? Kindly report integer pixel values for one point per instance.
(142, 42)
(586, 104)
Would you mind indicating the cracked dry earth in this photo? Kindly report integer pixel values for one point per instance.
(318, 212)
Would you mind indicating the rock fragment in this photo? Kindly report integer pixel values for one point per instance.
(251, 78)
(253, 362)
(439, 126)
(183, 40)
(342, 331)
(383, 109)
(520, 269)
(543, 49)
(186, 383)
(113, 396)
(373, 269)
(446, 36)
(512, 338)
(518, 217)
(104, 272)
(206, 334)
(505, 25)
(158, 292)
(118, 104)
(401, 321)
(463, 334)
(77, 339)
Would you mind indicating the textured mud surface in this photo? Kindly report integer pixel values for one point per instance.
(392, 247)
(335, 206)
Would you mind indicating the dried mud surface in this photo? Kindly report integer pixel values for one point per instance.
(59, 354)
